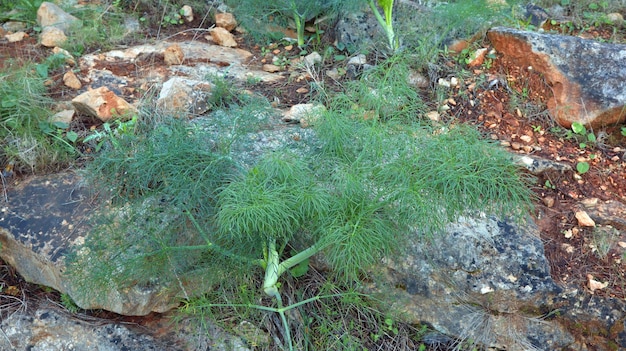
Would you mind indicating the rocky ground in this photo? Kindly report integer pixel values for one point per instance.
(507, 103)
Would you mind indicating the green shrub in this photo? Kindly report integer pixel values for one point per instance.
(192, 213)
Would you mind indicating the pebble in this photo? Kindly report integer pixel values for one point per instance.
(549, 201)
(584, 219)
(526, 138)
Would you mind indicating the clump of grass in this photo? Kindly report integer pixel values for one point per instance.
(24, 111)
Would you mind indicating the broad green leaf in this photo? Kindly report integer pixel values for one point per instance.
(582, 167)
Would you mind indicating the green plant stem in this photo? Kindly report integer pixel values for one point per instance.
(299, 29)
(387, 22)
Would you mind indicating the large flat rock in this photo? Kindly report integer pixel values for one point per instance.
(41, 221)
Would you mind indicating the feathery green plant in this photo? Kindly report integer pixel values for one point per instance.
(191, 213)
(300, 11)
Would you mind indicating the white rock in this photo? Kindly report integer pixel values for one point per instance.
(358, 60)
(52, 36)
(443, 82)
(51, 15)
(615, 18)
(64, 116)
(15, 37)
(312, 59)
(433, 116)
(187, 13)
(306, 114)
(180, 96)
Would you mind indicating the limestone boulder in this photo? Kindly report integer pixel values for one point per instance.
(51, 15)
(43, 220)
(181, 97)
(483, 279)
(103, 104)
(586, 77)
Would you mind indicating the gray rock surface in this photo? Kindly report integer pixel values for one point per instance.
(51, 328)
(586, 77)
(41, 221)
(483, 280)
(51, 15)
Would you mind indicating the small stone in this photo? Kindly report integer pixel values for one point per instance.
(313, 59)
(14, 26)
(454, 81)
(526, 138)
(302, 90)
(103, 104)
(443, 82)
(64, 116)
(505, 143)
(516, 145)
(567, 248)
(187, 13)
(288, 47)
(527, 148)
(15, 37)
(70, 80)
(452, 102)
(52, 36)
(594, 285)
(226, 21)
(478, 57)
(358, 60)
(621, 244)
(276, 51)
(223, 37)
(333, 73)
(173, 55)
(306, 114)
(615, 17)
(433, 116)
(584, 219)
(417, 79)
(549, 201)
(568, 234)
(271, 68)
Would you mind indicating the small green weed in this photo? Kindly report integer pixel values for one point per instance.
(69, 304)
(111, 133)
(20, 10)
(580, 130)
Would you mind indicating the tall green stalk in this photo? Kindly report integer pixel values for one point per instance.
(387, 22)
